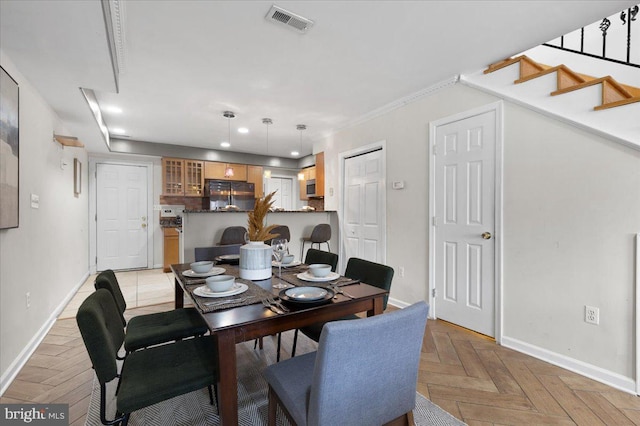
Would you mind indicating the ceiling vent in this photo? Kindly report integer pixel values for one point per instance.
(284, 17)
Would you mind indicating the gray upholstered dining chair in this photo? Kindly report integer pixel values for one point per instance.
(210, 253)
(146, 377)
(363, 373)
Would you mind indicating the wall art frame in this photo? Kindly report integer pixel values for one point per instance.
(9, 151)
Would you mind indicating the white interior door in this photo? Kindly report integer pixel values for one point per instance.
(465, 222)
(363, 225)
(283, 186)
(121, 217)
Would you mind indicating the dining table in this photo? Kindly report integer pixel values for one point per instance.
(246, 317)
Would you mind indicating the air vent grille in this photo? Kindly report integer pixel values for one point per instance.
(283, 17)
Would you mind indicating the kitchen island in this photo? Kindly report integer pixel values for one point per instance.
(203, 228)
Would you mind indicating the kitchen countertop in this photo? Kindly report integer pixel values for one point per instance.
(245, 211)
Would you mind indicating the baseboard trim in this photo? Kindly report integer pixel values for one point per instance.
(601, 375)
(9, 376)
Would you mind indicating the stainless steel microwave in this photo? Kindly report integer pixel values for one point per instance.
(311, 188)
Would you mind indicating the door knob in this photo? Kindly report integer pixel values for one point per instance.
(486, 235)
(144, 225)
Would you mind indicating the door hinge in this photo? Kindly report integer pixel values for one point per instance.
(96, 218)
(435, 221)
(434, 292)
(435, 150)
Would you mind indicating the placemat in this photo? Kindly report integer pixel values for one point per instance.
(292, 278)
(254, 294)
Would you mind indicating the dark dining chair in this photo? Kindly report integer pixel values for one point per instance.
(282, 231)
(375, 274)
(321, 233)
(233, 235)
(363, 373)
(210, 253)
(151, 329)
(146, 377)
(321, 256)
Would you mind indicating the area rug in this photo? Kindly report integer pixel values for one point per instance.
(194, 408)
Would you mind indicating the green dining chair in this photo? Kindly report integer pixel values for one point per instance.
(151, 329)
(146, 377)
(375, 274)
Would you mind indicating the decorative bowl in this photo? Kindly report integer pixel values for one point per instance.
(319, 270)
(202, 266)
(220, 283)
(287, 258)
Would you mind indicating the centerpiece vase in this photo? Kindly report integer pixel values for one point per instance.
(255, 261)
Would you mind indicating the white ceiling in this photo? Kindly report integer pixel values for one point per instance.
(185, 62)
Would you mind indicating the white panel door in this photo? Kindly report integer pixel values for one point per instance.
(465, 222)
(363, 227)
(283, 187)
(121, 222)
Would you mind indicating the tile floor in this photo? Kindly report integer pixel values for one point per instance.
(140, 288)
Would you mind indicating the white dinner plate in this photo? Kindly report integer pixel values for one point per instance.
(306, 276)
(216, 270)
(286, 265)
(306, 293)
(203, 291)
(229, 257)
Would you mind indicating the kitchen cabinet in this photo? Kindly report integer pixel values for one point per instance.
(314, 172)
(171, 248)
(308, 173)
(254, 176)
(182, 177)
(215, 170)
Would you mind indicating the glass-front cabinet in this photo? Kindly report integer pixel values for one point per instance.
(182, 177)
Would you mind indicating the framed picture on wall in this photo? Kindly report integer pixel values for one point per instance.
(77, 177)
(9, 152)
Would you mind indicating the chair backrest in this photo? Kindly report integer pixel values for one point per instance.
(321, 256)
(108, 281)
(233, 235)
(372, 273)
(102, 332)
(321, 233)
(366, 370)
(282, 231)
(210, 253)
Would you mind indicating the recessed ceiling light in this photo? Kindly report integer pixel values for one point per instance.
(243, 130)
(225, 144)
(113, 109)
(118, 130)
(295, 153)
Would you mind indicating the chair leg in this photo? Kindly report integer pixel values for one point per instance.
(279, 342)
(125, 420)
(272, 407)
(295, 341)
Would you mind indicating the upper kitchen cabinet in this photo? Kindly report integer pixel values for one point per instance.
(182, 177)
(215, 170)
(319, 174)
(254, 176)
(316, 174)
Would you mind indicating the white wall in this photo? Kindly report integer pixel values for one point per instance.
(47, 254)
(571, 208)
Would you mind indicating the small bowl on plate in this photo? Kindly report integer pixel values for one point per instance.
(287, 258)
(202, 266)
(220, 283)
(319, 270)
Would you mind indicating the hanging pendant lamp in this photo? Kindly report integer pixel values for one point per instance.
(300, 127)
(267, 122)
(228, 171)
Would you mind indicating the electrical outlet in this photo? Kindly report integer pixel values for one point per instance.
(592, 315)
(27, 297)
(401, 271)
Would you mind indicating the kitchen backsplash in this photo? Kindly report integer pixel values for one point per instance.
(317, 203)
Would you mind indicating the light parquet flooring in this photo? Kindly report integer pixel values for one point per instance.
(465, 373)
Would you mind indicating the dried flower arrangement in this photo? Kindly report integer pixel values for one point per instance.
(257, 229)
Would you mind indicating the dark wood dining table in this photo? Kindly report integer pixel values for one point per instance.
(245, 323)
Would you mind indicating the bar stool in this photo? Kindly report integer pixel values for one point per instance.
(233, 235)
(321, 234)
(282, 231)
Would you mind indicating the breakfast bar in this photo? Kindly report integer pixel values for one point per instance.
(203, 228)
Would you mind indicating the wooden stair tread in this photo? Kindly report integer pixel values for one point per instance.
(613, 93)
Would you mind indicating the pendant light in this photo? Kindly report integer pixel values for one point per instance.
(300, 127)
(267, 122)
(228, 171)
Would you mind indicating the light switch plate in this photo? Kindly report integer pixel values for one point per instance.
(35, 201)
(399, 184)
